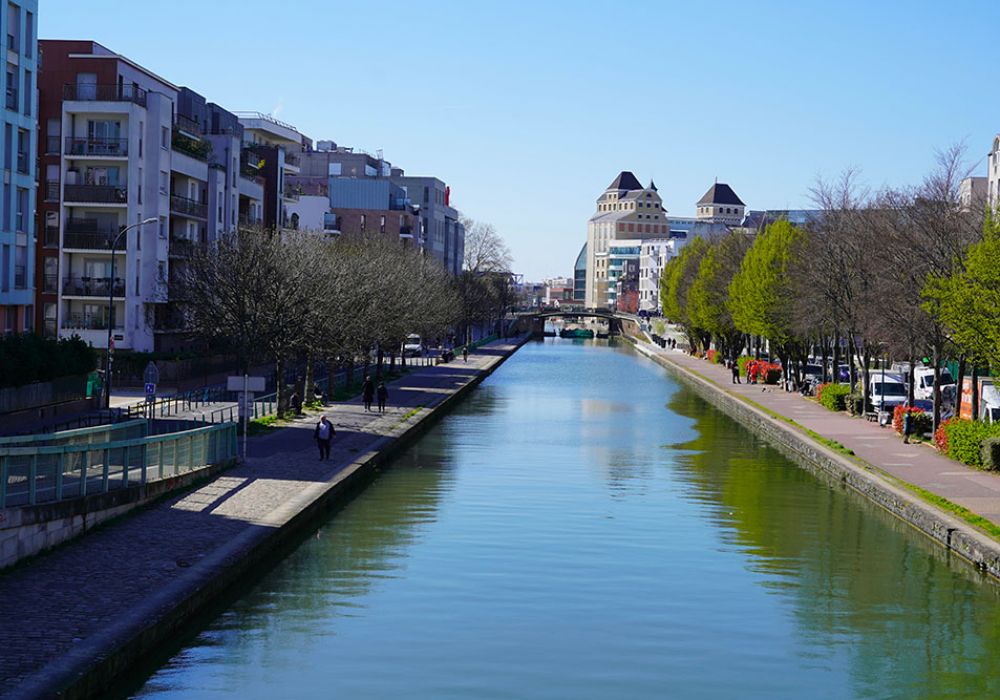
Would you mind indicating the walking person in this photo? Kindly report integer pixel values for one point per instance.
(382, 393)
(465, 353)
(368, 392)
(736, 372)
(324, 436)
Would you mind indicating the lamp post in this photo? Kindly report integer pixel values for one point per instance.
(111, 306)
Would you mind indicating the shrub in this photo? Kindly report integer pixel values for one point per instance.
(991, 454)
(40, 359)
(743, 361)
(714, 356)
(941, 436)
(833, 396)
(965, 440)
(920, 420)
(771, 372)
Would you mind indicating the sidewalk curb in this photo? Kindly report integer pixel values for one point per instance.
(953, 534)
(94, 664)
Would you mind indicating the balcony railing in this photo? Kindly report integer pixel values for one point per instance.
(52, 236)
(247, 220)
(190, 207)
(52, 190)
(76, 146)
(105, 93)
(50, 284)
(89, 240)
(90, 322)
(102, 194)
(12, 98)
(292, 159)
(196, 148)
(292, 193)
(20, 277)
(188, 125)
(93, 286)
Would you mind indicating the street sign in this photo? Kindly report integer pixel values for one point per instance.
(150, 389)
(242, 383)
(151, 375)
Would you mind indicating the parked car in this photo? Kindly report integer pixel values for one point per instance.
(413, 347)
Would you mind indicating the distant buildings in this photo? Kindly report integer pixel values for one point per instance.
(19, 24)
(720, 205)
(626, 210)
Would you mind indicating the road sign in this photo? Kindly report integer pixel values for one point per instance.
(150, 389)
(151, 375)
(242, 383)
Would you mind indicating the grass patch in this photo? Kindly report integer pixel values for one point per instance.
(977, 521)
(263, 425)
(409, 414)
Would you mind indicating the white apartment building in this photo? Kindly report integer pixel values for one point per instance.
(655, 254)
(276, 146)
(626, 210)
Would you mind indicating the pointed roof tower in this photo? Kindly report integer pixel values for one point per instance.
(625, 181)
(721, 193)
(652, 186)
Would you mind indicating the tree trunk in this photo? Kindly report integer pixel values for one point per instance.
(975, 391)
(392, 362)
(380, 356)
(936, 359)
(308, 389)
(279, 385)
(836, 359)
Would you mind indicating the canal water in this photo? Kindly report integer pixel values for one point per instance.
(584, 527)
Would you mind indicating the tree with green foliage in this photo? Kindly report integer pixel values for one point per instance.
(708, 299)
(762, 294)
(675, 283)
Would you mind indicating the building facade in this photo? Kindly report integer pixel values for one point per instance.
(720, 205)
(626, 210)
(655, 254)
(18, 266)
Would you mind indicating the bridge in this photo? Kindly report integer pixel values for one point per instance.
(534, 322)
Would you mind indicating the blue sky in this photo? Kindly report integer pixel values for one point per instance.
(529, 109)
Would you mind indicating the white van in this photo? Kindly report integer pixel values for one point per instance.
(413, 347)
(886, 395)
(923, 382)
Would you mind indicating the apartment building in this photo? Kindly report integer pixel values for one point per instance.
(625, 211)
(18, 269)
(443, 233)
(124, 147)
(655, 253)
(274, 153)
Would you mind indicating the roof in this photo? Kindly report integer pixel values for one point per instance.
(721, 193)
(625, 181)
(581, 259)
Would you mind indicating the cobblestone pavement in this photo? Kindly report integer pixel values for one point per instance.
(917, 464)
(88, 596)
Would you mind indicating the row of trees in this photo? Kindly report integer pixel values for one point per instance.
(307, 298)
(901, 273)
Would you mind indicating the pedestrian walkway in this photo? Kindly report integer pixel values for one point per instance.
(63, 610)
(917, 464)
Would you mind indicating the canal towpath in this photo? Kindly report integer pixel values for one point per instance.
(917, 464)
(80, 615)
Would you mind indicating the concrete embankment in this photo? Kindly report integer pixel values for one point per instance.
(77, 619)
(869, 479)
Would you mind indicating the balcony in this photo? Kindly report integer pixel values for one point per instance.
(105, 93)
(90, 322)
(89, 240)
(99, 194)
(196, 148)
(52, 190)
(188, 207)
(12, 98)
(187, 125)
(93, 287)
(247, 220)
(181, 247)
(292, 193)
(115, 148)
(292, 160)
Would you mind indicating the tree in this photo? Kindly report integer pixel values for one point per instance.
(485, 249)
(675, 283)
(707, 299)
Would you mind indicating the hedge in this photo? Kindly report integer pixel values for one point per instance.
(991, 454)
(920, 421)
(833, 396)
(963, 440)
(27, 358)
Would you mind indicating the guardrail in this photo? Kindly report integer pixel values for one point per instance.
(42, 474)
(105, 432)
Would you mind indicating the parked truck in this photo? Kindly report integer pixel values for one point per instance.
(989, 399)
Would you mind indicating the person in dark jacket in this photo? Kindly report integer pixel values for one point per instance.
(735, 366)
(324, 436)
(382, 393)
(368, 393)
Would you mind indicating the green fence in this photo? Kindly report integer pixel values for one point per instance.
(44, 473)
(106, 432)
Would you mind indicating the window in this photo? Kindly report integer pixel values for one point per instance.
(8, 143)
(13, 27)
(28, 93)
(164, 138)
(23, 150)
(53, 128)
(22, 210)
(50, 283)
(141, 132)
(29, 33)
(164, 182)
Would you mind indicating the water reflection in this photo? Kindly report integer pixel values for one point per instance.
(583, 527)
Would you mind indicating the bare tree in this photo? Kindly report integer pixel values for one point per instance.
(485, 249)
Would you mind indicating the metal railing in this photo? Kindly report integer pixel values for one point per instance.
(191, 207)
(88, 322)
(88, 240)
(43, 474)
(188, 125)
(105, 93)
(83, 435)
(196, 148)
(52, 190)
(102, 194)
(93, 286)
(83, 146)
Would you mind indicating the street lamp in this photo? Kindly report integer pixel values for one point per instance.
(111, 306)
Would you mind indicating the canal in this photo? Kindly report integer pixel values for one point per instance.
(584, 527)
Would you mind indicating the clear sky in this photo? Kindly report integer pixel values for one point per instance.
(529, 109)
